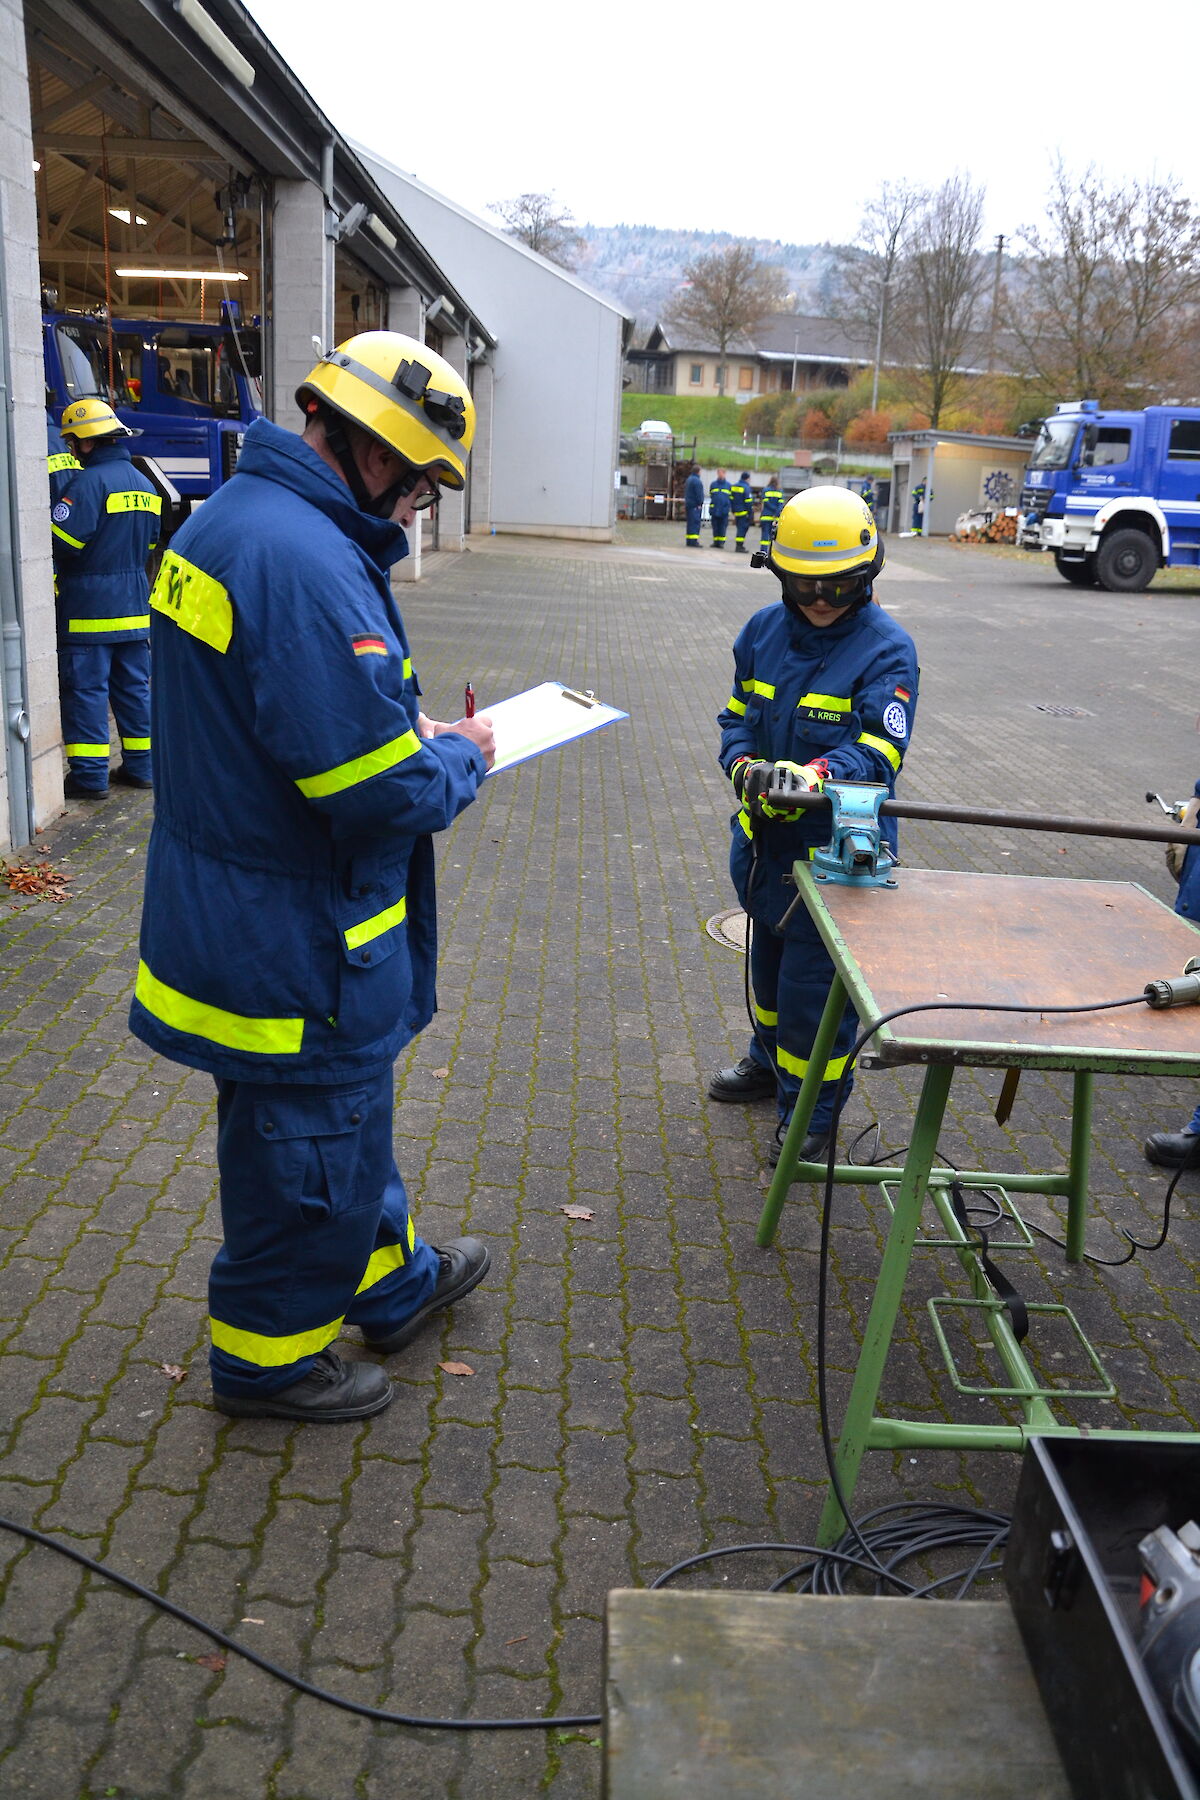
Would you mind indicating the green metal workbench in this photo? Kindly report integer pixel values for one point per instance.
(1011, 940)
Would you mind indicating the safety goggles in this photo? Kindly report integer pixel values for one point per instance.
(834, 590)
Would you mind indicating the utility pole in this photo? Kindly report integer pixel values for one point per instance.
(991, 355)
(795, 356)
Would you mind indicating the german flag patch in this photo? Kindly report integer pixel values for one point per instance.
(369, 646)
(903, 694)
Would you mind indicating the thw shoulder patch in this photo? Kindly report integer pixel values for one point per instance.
(368, 646)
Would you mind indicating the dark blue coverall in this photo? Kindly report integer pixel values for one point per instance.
(693, 501)
(841, 696)
(719, 501)
(289, 930)
(61, 465)
(768, 518)
(742, 504)
(104, 527)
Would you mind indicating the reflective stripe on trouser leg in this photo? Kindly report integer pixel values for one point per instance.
(83, 699)
(799, 968)
(129, 686)
(741, 527)
(764, 994)
(313, 1211)
(692, 514)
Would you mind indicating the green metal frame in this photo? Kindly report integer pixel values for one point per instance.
(862, 1429)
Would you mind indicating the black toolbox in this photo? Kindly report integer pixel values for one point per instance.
(1074, 1580)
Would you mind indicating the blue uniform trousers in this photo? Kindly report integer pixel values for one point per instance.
(316, 1226)
(741, 525)
(720, 525)
(790, 974)
(693, 523)
(88, 676)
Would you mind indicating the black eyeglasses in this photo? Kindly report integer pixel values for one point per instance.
(423, 501)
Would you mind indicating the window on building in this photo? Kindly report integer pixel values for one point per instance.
(745, 378)
(697, 374)
(1185, 440)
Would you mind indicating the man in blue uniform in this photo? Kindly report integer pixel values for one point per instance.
(1181, 1149)
(768, 518)
(741, 501)
(104, 526)
(825, 686)
(289, 931)
(61, 466)
(719, 492)
(693, 501)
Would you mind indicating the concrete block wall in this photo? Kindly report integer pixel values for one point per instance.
(301, 273)
(30, 501)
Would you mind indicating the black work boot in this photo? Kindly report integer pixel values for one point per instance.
(1174, 1149)
(815, 1147)
(73, 789)
(462, 1265)
(122, 775)
(332, 1392)
(746, 1080)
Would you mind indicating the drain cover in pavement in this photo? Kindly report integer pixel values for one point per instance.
(729, 928)
(1063, 712)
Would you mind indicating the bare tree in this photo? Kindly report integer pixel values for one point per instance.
(535, 220)
(871, 270)
(1107, 288)
(942, 277)
(725, 295)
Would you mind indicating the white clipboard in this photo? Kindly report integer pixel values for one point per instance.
(541, 719)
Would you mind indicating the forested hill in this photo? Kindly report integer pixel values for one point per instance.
(640, 266)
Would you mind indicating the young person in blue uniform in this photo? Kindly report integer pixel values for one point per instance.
(719, 492)
(825, 685)
(61, 466)
(103, 527)
(289, 930)
(1181, 1149)
(693, 501)
(768, 518)
(741, 499)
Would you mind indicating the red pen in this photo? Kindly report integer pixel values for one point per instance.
(469, 702)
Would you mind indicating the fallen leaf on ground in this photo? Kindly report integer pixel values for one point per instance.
(577, 1212)
(38, 881)
(440, 1073)
(214, 1661)
(174, 1370)
(456, 1368)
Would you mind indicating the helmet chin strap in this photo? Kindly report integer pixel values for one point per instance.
(336, 436)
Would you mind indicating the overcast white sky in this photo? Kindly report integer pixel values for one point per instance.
(765, 121)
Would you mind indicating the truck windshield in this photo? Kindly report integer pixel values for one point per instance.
(1055, 440)
(83, 352)
(192, 367)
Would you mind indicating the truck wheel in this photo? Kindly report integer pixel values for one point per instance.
(1079, 574)
(1126, 562)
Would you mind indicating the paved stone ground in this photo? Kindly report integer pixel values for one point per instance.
(644, 1381)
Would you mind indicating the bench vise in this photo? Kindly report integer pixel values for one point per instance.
(856, 855)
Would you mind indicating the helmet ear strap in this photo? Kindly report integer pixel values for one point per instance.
(381, 506)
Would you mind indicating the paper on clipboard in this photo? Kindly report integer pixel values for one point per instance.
(541, 719)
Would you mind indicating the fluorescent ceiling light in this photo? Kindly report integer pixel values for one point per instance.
(126, 217)
(183, 274)
(223, 48)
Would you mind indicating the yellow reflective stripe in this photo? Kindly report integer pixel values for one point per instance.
(132, 622)
(827, 702)
(736, 705)
(765, 688)
(196, 602)
(75, 543)
(86, 750)
(373, 928)
(406, 668)
(387, 1261)
(885, 749)
(743, 820)
(798, 1065)
(62, 459)
(133, 500)
(763, 1016)
(360, 768)
(135, 743)
(266, 1037)
(271, 1352)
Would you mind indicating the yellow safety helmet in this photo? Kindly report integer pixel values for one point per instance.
(93, 418)
(404, 394)
(827, 532)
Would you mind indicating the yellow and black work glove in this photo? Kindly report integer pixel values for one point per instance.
(751, 777)
(793, 777)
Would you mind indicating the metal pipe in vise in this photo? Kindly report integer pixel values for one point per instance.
(976, 815)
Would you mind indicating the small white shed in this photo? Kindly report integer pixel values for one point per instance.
(960, 472)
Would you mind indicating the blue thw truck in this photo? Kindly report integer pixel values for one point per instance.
(190, 389)
(1115, 495)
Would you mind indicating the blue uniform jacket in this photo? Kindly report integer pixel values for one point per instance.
(719, 498)
(1187, 901)
(772, 504)
(845, 693)
(289, 929)
(61, 466)
(741, 498)
(103, 529)
(693, 491)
